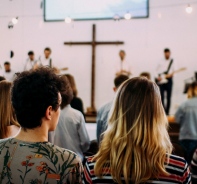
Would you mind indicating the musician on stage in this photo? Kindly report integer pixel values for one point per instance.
(46, 60)
(123, 68)
(31, 63)
(164, 79)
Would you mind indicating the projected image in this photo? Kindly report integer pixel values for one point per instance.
(58, 10)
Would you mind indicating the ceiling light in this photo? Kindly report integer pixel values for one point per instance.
(127, 16)
(188, 9)
(15, 20)
(68, 20)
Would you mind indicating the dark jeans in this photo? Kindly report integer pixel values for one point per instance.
(189, 147)
(166, 88)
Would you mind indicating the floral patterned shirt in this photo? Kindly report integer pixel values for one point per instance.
(37, 163)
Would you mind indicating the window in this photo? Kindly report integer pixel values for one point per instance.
(58, 10)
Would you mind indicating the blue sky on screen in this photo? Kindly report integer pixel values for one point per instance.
(93, 9)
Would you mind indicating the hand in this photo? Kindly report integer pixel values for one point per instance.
(159, 79)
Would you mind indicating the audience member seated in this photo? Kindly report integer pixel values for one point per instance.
(102, 115)
(145, 74)
(186, 116)
(29, 158)
(8, 123)
(2, 78)
(76, 102)
(193, 167)
(136, 147)
(71, 132)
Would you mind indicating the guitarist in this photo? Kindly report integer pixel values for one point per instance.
(165, 70)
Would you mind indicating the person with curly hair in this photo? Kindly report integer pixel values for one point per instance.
(36, 100)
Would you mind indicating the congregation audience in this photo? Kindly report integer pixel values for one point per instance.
(136, 147)
(9, 126)
(76, 102)
(29, 157)
(43, 137)
(70, 132)
(102, 115)
(186, 116)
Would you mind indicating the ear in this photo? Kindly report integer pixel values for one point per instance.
(114, 88)
(48, 113)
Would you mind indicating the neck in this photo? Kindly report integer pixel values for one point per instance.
(39, 134)
(7, 70)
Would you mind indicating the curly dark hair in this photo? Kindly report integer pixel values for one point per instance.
(66, 92)
(32, 93)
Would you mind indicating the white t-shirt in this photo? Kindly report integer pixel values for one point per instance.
(163, 67)
(29, 64)
(44, 61)
(9, 76)
(123, 65)
(71, 132)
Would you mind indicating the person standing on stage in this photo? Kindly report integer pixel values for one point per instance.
(46, 60)
(31, 63)
(123, 68)
(8, 73)
(164, 79)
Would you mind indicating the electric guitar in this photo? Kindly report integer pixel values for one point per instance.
(164, 80)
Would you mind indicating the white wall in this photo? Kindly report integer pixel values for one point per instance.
(145, 39)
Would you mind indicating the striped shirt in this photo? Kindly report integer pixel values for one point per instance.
(193, 167)
(177, 168)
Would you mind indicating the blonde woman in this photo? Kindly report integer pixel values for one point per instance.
(186, 116)
(136, 147)
(8, 123)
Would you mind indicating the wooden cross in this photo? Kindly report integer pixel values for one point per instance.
(92, 110)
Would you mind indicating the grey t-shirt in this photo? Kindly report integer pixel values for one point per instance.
(186, 116)
(37, 163)
(71, 132)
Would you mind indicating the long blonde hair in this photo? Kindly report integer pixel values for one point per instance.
(136, 142)
(7, 115)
